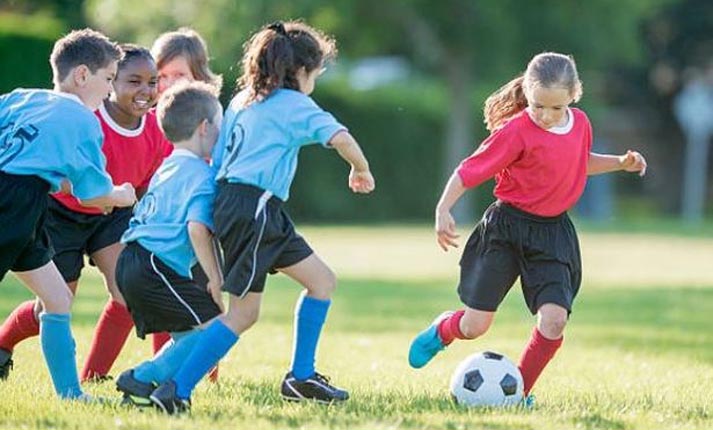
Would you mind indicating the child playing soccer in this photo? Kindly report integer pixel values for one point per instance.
(50, 140)
(171, 230)
(540, 154)
(182, 55)
(134, 147)
(265, 126)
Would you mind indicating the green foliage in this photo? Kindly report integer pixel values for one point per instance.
(25, 46)
(401, 131)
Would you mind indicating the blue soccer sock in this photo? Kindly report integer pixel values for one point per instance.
(164, 366)
(212, 345)
(58, 348)
(310, 314)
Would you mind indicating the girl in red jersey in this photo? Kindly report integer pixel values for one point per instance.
(540, 154)
(134, 147)
(182, 55)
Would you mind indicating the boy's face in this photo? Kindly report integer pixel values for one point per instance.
(95, 87)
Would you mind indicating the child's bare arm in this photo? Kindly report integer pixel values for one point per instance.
(122, 195)
(360, 177)
(632, 161)
(202, 242)
(446, 234)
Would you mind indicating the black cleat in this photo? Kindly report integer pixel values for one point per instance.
(6, 364)
(136, 393)
(164, 397)
(316, 388)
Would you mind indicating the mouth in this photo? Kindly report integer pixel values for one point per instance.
(142, 104)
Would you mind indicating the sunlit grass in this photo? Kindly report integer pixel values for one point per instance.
(637, 355)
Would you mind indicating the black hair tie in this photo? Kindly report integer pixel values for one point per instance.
(278, 27)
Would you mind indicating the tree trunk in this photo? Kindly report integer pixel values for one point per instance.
(460, 136)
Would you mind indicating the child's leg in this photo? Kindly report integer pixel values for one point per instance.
(546, 339)
(215, 341)
(114, 323)
(24, 322)
(55, 333)
(158, 340)
(463, 324)
(21, 324)
(310, 311)
(164, 366)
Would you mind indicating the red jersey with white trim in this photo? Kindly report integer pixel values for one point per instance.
(539, 171)
(131, 155)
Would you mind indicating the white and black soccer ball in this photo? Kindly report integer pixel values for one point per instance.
(487, 379)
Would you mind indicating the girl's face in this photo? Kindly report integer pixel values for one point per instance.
(175, 70)
(548, 106)
(135, 87)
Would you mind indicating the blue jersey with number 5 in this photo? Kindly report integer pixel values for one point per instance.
(52, 135)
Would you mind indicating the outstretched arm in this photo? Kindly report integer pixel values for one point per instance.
(360, 178)
(632, 161)
(446, 234)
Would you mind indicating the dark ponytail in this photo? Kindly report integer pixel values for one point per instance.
(274, 54)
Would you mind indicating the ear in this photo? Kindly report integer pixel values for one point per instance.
(203, 127)
(80, 75)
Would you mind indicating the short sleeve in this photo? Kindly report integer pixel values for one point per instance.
(496, 152)
(312, 124)
(88, 172)
(200, 206)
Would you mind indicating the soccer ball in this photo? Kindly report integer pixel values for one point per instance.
(487, 379)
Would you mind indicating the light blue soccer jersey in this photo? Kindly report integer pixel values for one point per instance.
(258, 145)
(52, 135)
(181, 190)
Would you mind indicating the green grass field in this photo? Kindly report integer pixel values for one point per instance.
(638, 352)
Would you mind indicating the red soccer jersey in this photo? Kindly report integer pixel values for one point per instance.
(539, 171)
(131, 155)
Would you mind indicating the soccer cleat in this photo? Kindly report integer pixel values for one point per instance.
(98, 379)
(316, 388)
(136, 393)
(7, 363)
(427, 344)
(165, 398)
(529, 401)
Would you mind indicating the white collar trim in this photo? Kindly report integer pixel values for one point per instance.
(70, 96)
(184, 152)
(119, 129)
(563, 129)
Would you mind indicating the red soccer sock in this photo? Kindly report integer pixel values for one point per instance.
(159, 340)
(20, 325)
(538, 352)
(449, 328)
(113, 328)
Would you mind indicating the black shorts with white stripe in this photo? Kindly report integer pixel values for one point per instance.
(158, 298)
(256, 235)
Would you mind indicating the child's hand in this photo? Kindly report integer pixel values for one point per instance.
(633, 161)
(446, 230)
(214, 289)
(361, 181)
(124, 195)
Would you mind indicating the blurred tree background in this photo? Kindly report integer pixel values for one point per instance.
(412, 76)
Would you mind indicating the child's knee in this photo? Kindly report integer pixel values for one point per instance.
(552, 324)
(324, 287)
(241, 320)
(474, 329)
(59, 302)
